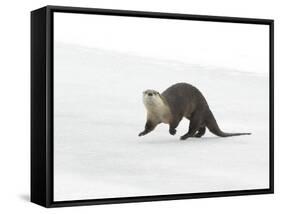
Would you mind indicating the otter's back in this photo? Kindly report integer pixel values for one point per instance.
(183, 97)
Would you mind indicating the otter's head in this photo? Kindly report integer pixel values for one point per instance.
(152, 98)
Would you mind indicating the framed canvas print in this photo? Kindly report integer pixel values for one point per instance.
(131, 106)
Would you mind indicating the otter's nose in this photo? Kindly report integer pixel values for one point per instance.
(149, 94)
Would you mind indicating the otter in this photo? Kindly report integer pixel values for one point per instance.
(178, 101)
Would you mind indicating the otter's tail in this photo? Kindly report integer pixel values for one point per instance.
(212, 125)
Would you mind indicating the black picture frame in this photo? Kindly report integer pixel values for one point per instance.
(42, 105)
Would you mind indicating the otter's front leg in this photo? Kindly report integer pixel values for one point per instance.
(173, 125)
(149, 126)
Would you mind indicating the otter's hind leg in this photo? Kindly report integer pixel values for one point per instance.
(193, 128)
(149, 126)
(200, 132)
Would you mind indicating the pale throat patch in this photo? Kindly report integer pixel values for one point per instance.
(156, 108)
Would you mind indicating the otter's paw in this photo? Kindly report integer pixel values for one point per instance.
(173, 131)
(197, 135)
(184, 137)
(141, 134)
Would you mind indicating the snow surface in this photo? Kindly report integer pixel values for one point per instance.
(98, 113)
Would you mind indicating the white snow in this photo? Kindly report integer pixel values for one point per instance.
(231, 45)
(98, 113)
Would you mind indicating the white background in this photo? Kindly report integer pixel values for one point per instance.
(204, 43)
(15, 108)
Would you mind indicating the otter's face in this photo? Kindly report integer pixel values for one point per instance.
(151, 97)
